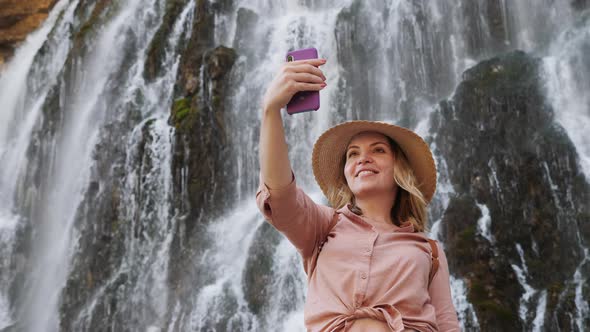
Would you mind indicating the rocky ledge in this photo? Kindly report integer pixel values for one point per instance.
(511, 163)
(17, 20)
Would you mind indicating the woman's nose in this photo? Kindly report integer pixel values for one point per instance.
(364, 158)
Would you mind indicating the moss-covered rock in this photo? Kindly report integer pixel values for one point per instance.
(182, 113)
(490, 281)
(199, 165)
(505, 151)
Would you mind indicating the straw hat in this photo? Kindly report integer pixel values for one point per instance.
(330, 147)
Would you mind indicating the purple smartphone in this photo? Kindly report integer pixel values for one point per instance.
(303, 101)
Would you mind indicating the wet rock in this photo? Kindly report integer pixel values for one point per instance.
(258, 274)
(157, 49)
(580, 4)
(17, 20)
(354, 55)
(198, 164)
(418, 62)
(504, 150)
(100, 12)
(201, 132)
(247, 21)
(485, 29)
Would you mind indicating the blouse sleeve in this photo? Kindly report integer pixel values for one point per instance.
(296, 215)
(440, 294)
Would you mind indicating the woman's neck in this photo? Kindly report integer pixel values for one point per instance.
(377, 207)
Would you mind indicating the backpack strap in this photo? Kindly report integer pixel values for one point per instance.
(434, 259)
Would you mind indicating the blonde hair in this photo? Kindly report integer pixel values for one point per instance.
(409, 205)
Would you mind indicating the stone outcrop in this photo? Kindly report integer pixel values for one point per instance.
(505, 151)
(157, 49)
(199, 169)
(258, 276)
(17, 20)
(197, 114)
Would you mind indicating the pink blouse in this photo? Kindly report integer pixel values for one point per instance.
(356, 270)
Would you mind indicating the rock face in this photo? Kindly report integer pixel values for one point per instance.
(198, 165)
(419, 59)
(197, 115)
(506, 155)
(17, 20)
(258, 275)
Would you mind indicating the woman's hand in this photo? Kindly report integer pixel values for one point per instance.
(294, 76)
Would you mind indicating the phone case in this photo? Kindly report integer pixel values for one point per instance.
(303, 101)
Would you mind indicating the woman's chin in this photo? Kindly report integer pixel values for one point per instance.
(370, 190)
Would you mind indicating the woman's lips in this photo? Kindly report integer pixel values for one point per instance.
(366, 172)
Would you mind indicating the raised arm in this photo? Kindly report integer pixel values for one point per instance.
(283, 204)
(295, 76)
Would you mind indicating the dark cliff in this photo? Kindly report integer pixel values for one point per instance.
(504, 150)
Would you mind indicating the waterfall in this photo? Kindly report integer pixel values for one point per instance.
(93, 203)
(566, 68)
(22, 96)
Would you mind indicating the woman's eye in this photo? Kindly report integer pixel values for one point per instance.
(380, 150)
(351, 154)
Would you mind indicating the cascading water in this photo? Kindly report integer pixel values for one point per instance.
(87, 151)
(22, 96)
(87, 88)
(566, 67)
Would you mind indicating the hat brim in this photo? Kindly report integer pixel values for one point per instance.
(330, 147)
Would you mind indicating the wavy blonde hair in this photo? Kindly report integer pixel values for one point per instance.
(409, 205)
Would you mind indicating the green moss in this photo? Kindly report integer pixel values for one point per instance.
(216, 101)
(479, 297)
(500, 312)
(468, 234)
(149, 122)
(180, 104)
(466, 241)
(183, 114)
(536, 264)
(477, 290)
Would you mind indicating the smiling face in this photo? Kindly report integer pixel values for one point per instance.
(369, 165)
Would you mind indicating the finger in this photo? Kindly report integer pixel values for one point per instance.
(304, 78)
(307, 68)
(313, 62)
(309, 86)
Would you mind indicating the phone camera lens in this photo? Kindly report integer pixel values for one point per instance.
(290, 58)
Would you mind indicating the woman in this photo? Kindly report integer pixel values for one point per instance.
(369, 265)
